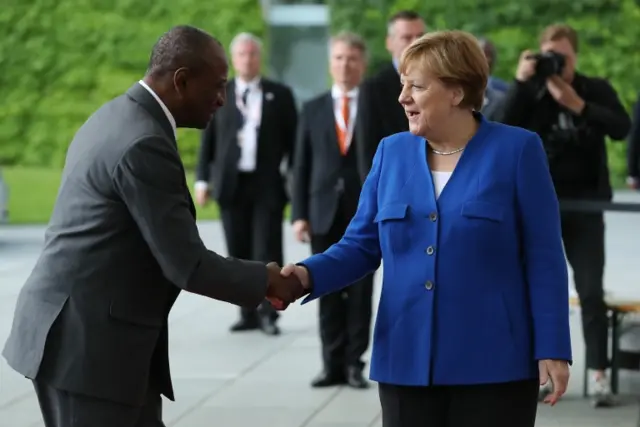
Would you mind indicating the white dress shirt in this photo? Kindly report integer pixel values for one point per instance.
(164, 108)
(248, 134)
(252, 113)
(337, 95)
(440, 180)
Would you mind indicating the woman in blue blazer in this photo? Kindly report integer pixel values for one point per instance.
(473, 313)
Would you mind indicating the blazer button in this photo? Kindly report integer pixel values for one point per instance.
(433, 216)
(429, 285)
(430, 250)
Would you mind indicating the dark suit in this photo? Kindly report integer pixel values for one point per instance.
(90, 324)
(633, 143)
(326, 188)
(493, 100)
(379, 113)
(251, 204)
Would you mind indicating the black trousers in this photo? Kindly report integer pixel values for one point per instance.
(345, 316)
(64, 409)
(511, 404)
(583, 236)
(253, 231)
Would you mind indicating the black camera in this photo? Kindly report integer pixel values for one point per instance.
(548, 64)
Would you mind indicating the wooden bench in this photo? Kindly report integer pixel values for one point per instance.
(618, 309)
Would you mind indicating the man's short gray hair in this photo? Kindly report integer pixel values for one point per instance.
(350, 39)
(243, 38)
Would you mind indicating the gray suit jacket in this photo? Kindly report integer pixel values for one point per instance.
(121, 244)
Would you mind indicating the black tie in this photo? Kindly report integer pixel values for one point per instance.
(245, 95)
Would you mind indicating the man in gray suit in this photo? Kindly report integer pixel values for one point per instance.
(90, 326)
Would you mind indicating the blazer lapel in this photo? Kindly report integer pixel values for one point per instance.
(234, 116)
(328, 122)
(229, 118)
(142, 96)
(266, 100)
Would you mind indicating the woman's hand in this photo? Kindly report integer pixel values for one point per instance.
(301, 273)
(558, 372)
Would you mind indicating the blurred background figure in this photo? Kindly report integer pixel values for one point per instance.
(380, 113)
(327, 186)
(496, 88)
(495, 83)
(633, 149)
(573, 114)
(239, 165)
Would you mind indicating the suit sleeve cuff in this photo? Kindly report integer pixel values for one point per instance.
(552, 339)
(314, 291)
(201, 185)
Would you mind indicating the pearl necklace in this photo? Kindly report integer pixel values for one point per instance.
(446, 153)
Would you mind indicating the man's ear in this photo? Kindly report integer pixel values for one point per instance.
(180, 78)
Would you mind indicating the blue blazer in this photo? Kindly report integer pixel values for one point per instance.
(475, 286)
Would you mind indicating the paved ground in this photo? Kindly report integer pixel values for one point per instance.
(248, 380)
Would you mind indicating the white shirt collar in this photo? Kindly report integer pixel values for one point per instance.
(337, 93)
(242, 85)
(164, 107)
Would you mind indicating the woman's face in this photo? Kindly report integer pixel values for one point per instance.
(427, 102)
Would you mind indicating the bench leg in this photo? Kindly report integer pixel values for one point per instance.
(615, 351)
(585, 381)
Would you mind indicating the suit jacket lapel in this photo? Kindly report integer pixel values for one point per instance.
(234, 117)
(142, 96)
(229, 118)
(267, 107)
(328, 121)
(264, 88)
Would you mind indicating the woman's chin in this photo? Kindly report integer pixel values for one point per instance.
(415, 129)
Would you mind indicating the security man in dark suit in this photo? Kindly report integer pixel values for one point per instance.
(241, 154)
(380, 113)
(326, 190)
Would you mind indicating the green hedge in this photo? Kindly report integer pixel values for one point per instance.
(608, 29)
(61, 60)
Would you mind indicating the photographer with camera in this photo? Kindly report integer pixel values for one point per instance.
(573, 114)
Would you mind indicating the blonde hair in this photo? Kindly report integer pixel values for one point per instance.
(453, 57)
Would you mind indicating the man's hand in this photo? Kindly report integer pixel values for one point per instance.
(282, 290)
(633, 182)
(558, 372)
(301, 274)
(202, 196)
(301, 230)
(565, 94)
(526, 66)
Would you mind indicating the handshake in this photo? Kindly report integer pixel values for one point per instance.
(286, 285)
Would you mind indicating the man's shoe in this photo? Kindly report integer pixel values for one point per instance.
(269, 326)
(328, 379)
(600, 393)
(244, 325)
(355, 378)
